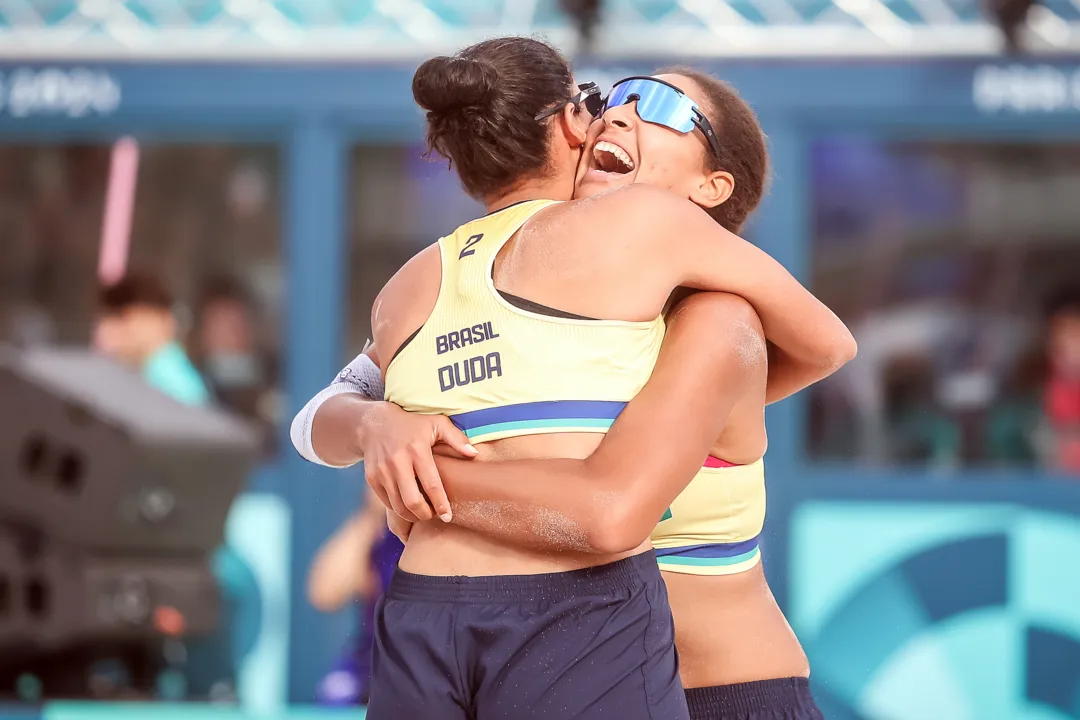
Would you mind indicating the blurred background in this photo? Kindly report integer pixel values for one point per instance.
(211, 193)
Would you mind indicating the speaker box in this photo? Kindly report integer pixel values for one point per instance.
(91, 455)
(56, 595)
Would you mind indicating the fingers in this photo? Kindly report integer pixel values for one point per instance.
(399, 526)
(448, 433)
(382, 476)
(432, 484)
(381, 494)
(404, 472)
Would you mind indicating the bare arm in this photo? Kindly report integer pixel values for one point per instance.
(611, 501)
(697, 252)
(341, 571)
(355, 424)
(334, 433)
(788, 376)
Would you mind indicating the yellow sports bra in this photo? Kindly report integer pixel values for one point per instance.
(502, 366)
(714, 526)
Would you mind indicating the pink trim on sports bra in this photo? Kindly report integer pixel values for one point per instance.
(715, 462)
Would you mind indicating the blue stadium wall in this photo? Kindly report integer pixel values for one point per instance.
(916, 599)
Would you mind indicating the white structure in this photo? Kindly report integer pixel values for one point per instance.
(409, 29)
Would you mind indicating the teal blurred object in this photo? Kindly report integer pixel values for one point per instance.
(183, 711)
(958, 610)
(171, 371)
(254, 573)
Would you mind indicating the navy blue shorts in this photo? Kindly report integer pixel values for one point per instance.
(595, 643)
(780, 699)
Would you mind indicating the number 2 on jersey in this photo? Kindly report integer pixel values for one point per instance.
(469, 245)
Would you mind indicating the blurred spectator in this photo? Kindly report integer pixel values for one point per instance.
(355, 564)
(137, 327)
(227, 351)
(936, 253)
(1061, 397)
(916, 430)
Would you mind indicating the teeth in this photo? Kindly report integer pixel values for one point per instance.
(613, 149)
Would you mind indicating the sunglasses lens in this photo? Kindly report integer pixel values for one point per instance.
(657, 103)
(594, 104)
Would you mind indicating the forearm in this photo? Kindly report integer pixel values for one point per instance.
(611, 501)
(550, 504)
(339, 566)
(335, 427)
(788, 376)
(711, 258)
(813, 340)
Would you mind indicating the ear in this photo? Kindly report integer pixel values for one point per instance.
(714, 188)
(574, 123)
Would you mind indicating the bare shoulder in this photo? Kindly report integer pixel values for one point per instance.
(407, 298)
(646, 214)
(720, 322)
(638, 202)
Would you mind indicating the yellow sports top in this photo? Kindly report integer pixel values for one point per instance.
(713, 527)
(501, 366)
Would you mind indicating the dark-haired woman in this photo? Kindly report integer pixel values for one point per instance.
(563, 633)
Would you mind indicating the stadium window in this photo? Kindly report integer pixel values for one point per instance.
(399, 203)
(953, 262)
(205, 224)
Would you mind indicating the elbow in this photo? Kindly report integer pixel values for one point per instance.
(618, 530)
(837, 352)
(323, 598)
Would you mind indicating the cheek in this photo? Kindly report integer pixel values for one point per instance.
(668, 164)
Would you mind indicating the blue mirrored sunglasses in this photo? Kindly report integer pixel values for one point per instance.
(662, 103)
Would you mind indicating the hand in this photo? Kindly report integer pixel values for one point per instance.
(398, 525)
(398, 460)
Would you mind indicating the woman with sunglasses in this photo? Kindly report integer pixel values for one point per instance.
(579, 635)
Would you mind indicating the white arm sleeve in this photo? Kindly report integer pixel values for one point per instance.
(361, 377)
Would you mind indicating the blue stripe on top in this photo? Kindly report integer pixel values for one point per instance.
(546, 410)
(712, 550)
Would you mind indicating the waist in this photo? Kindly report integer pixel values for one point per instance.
(718, 618)
(435, 549)
(612, 577)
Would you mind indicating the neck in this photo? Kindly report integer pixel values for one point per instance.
(539, 189)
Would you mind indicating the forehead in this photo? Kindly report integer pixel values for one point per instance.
(687, 85)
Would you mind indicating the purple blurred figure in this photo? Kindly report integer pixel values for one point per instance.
(355, 564)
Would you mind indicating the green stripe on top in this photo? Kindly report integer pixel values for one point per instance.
(555, 423)
(709, 562)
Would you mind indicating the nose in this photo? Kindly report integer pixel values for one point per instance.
(620, 116)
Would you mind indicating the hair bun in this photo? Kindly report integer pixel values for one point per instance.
(446, 85)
